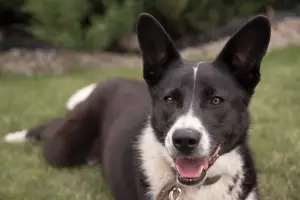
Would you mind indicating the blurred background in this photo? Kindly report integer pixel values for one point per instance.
(109, 26)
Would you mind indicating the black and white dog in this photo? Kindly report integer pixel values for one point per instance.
(182, 132)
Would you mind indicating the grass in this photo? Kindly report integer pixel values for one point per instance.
(274, 135)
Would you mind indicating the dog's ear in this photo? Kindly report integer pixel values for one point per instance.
(244, 51)
(157, 49)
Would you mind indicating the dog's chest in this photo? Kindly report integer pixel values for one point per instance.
(219, 191)
(222, 190)
(157, 168)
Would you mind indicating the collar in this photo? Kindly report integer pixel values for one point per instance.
(172, 190)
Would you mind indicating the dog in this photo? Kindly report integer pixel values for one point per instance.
(181, 133)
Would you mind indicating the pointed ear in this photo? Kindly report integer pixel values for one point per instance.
(244, 51)
(157, 49)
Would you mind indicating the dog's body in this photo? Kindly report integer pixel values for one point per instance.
(188, 123)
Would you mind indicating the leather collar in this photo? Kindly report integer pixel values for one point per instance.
(171, 186)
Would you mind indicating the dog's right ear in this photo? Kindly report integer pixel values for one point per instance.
(244, 51)
(157, 49)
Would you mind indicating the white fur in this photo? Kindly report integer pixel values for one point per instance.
(157, 166)
(252, 195)
(16, 137)
(190, 121)
(79, 96)
(156, 163)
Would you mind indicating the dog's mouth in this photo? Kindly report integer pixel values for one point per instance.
(192, 171)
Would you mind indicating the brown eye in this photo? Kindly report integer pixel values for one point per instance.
(216, 100)
(170, 100)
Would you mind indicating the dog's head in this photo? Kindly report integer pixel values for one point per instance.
(200, 109)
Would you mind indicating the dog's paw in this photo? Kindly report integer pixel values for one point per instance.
(79, 96)
(16, 137)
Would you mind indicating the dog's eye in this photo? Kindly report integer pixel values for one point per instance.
(216, 100)
(170, 100)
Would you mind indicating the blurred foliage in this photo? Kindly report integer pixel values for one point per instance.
(57, 21)
(97, 24)
(117, 22)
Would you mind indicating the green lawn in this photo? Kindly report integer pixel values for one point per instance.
(275, 133)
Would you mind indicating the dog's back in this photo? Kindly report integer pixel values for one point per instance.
(102, 127)
(111, 105)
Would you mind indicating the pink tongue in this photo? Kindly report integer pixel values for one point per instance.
(190, 168)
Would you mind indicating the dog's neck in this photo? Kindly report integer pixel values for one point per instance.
(172, 190)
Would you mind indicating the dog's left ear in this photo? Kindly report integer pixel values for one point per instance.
(157, 49)
(244, 51)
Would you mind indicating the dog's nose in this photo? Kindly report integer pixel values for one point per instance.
(186, 140)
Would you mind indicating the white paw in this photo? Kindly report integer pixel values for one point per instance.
(79, 96)
(16, 137)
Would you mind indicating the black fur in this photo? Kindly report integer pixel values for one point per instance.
(106, 126)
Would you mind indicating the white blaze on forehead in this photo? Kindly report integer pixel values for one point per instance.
(191, 121)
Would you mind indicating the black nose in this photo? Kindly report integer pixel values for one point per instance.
(186, 140)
